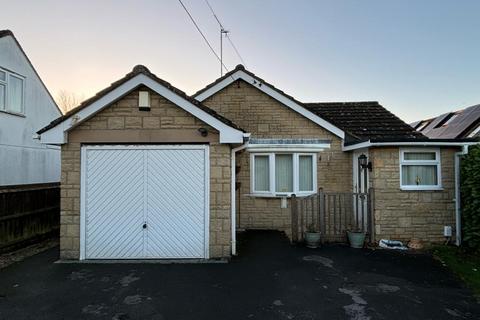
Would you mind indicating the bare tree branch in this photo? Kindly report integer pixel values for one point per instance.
(68, 100)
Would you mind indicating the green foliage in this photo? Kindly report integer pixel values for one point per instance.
(463, 264)
(470, 188)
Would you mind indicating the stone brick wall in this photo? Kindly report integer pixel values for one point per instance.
(123, 116)
(265, 117)
(404, 215)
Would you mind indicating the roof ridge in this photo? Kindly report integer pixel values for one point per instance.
(6, 32)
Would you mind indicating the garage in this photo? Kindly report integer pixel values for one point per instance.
(146, 174)
(144, 202)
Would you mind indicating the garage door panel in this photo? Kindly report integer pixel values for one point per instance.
(114, 203)
(175, 203)
(128, 186)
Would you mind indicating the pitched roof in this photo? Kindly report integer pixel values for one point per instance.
(5, 33)
(240, 73)
(137, 70)
(240, 67)
(366, 120)
(450, 125)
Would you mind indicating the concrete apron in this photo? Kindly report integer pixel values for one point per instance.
(146, 261)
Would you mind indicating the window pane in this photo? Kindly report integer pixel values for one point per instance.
(3, 76)
(419, 175)
(283, 173)
(15, 94)
(419, 155)
(262, 176)
(2, 97)
(305, 173)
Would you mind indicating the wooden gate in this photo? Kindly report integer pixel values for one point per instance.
(333, 214)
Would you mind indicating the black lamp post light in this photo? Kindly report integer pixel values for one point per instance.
(364, 163)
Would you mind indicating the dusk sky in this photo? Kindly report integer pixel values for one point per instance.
(417, 58)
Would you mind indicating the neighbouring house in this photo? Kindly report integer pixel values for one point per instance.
(463, 123)
(150, 172)
(25, 107)
(29, 170)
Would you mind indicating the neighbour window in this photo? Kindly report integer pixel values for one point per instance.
(283, 173)
(420, 169)
(11, 92)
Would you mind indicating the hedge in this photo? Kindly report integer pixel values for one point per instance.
(470, 195)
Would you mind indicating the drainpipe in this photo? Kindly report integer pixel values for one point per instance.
(458, 217)
(233, 201)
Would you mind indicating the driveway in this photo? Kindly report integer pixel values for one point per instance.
(269, 280)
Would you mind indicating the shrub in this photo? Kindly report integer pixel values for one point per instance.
(470, 188)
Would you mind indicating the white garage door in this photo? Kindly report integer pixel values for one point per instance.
(144, 202)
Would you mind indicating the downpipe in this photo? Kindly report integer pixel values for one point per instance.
(233, 201)
(458, 215)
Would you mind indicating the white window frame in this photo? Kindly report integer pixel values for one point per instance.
(6, 83)
(436, 162)
(271, 162)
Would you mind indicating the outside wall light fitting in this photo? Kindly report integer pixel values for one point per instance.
(203, 132)
(364, 163)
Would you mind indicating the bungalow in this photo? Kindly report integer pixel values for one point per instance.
(150, 172)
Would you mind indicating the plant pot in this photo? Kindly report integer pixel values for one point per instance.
(312, 239)
(356, 238)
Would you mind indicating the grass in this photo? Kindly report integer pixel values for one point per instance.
(463, 264)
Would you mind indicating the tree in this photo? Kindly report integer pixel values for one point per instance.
(470, 186)
(67, 100)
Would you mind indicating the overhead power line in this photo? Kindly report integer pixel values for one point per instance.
(213, 12)
(203, 36)
(235, 49)
(226, 34)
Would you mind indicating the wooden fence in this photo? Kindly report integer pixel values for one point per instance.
(333, 213)
(28, 212)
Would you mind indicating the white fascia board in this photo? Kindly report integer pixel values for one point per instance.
(288, 147)
(368, 144)
(275, 95)
(58, 134)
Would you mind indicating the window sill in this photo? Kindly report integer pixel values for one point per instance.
(278, 195)
(433, 188)
(13, 113)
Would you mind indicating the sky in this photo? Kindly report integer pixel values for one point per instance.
(417, 58)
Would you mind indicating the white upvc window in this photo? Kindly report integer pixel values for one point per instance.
(12, 92)
(420, 169)
(283, 174)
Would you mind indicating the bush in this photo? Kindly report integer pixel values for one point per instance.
(470, 188)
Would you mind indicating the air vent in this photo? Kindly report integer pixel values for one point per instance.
(143, 101)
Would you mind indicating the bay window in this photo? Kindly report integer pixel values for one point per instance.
(12, 89)
(284, 173)
(420, 169)
(280, 174)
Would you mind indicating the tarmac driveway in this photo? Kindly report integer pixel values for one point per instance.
(268, 280)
